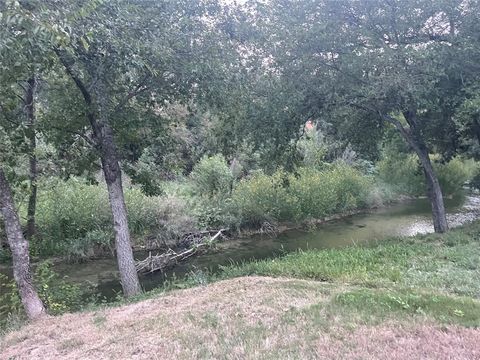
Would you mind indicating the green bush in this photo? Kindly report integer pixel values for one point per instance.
(313, 150)
(262, 197)
(217, 213)
(308, 194)
(66, 212)
(352, 188)
(323, 193)
(455, 174)
(212, 176)
(404, 173)
(57, 294)
(10, 302)
(474, 183)
(74, 218)
(315, 192)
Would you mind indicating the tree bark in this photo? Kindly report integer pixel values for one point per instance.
(31, 134)
(434, 191)
(113, 178)
(104, 141)
(34, 307)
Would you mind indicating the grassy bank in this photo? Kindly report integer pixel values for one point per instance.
(447, 263)
(415, 297)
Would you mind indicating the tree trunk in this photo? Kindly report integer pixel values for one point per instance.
(31, 134)
(105, 144)
(113, 178)
(434, 192)
(19, 247)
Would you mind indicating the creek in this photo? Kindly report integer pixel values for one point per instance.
(402, 219)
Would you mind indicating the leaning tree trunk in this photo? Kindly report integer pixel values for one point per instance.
(414, 138)
(104, 142)
(31, 134)
(113, 178)
(434, 193)
(19, 247)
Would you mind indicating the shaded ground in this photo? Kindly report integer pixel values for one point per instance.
(261, 317)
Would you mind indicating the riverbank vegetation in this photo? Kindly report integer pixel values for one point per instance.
(74, 221)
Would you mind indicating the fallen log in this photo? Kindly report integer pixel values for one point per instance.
(169, 258)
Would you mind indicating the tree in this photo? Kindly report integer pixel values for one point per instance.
(18, 65)
(19, 246)
(128, 60)
(373, 63)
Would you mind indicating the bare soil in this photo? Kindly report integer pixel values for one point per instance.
(242, 318)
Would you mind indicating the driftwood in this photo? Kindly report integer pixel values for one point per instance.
(169, 258)
(268, 229)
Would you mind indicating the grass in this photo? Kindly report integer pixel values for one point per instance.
(447, 263)
(262, 318)
(376, 306)
(415, 297)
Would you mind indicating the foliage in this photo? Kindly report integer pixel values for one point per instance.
(262, 197)
(309, 194)
(212, 177)
(74, 218)
(312, 149)
(323, 193)
(58, 295)
(467, 119)
(217, 213)
(403, 172)
(456, 173)
(475, 182)
(10, 302)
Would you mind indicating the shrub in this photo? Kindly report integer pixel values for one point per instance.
(309, 194)
(261, 198)
(455, 174)
(212, 176)
(315, 192)
(475, 182)
(405, 174)
(352, 188)
(323, 193)
(312, 149)
(66, 212)
(10, 302)
(217, 213)
(74, 218)
(57, 294)
(161, 220)
(402, 172)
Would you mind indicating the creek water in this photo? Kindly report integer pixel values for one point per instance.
(404, 219)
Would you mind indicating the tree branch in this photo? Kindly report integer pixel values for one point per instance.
(134, 92)
(83, 89)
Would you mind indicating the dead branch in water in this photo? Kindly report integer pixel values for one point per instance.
(169, 258)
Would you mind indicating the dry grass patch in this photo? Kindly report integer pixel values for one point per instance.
(242, 318)
(170, 324)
